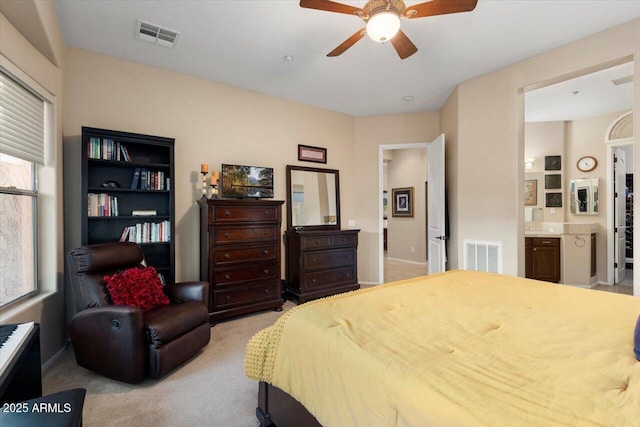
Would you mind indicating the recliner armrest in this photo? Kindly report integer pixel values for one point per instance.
(110, 340)
(189, 291)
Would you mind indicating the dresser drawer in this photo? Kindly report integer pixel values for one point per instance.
(223, 235)
(329, 259)
(223, 214)
(551, 241)
(328, 241)
(232, 276)
(329, 278)
(311, 242)
(245, 254)
(242, 295)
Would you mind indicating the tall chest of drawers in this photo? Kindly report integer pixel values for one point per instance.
(240, 255)
(321, 263)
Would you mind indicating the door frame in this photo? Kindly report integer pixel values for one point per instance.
(611, 257)
(381, 149)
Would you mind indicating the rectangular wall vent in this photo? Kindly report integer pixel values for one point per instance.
(155, 34)
(483, 256)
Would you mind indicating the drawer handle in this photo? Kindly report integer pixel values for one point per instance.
(266, 271)
(317, 241)
(226, 235)
(546, 242)
(313, 260)
(226, 276)
(313, 280)
(266, 291)
(227, 255)
(344, 239)
(266, 252)
(348, 275)
(227, 213)
(266, 212)
(226, 297)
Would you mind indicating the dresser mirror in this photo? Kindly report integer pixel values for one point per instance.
(584, 196)
(313, 198)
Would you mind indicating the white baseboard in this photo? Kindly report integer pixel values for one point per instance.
(55, 357)
(407, 261)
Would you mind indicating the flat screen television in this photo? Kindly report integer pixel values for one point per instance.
(239, 181)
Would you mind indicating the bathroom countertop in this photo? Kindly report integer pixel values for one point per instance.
(542, 234)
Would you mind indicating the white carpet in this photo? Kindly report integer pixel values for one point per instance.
(208, 390)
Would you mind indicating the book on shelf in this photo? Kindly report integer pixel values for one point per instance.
(144, 212)
(147, 232)
(107, 149)
(101, 204)
(135, 179)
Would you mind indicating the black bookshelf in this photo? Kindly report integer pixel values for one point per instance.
(104, 199)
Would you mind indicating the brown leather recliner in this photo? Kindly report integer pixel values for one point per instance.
(126, 343)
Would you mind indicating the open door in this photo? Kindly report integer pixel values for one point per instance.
(619, 213)
(436, 249)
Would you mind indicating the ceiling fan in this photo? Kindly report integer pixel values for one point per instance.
(382, 18)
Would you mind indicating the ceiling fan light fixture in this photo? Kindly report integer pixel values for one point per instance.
(382, 26)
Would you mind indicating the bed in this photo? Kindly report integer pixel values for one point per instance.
(454, 349)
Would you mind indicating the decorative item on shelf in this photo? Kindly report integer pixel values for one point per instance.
(204, 170)
(213, 188)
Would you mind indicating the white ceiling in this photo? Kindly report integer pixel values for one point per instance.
(590, 95)
(243, 43)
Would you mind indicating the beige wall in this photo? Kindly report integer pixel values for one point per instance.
(211, 122)
(20, 56)
(546, 139)
(407, 235)
(370, 133)
(489, 143)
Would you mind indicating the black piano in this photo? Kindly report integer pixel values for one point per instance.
(20, 367)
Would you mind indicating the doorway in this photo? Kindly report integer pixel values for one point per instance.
(419, 235)
(567, 121)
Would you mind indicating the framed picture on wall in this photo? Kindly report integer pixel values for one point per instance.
(402, 199)
(552, 163)
(530, 192)
(553, 200)
(553, 181)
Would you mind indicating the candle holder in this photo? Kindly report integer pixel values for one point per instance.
(204, 184)
(213, 191)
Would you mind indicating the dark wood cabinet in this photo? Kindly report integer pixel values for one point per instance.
(240, 255)
(321, 263)
(544, 258)
(115, 180)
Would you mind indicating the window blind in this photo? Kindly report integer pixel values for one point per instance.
(21, 121)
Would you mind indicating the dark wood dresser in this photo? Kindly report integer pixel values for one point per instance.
(321, 262)
(240, 255)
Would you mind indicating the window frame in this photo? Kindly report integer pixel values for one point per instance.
(33, 192)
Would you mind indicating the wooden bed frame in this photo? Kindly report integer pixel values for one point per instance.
(277, 408)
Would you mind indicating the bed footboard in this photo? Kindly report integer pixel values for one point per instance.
(277, 408)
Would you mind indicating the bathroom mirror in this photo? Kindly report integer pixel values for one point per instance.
(313, 198)
(584, 196)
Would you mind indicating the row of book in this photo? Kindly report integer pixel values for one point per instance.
(102, 204)
(147, 232)
(107, 149)
(145, 179)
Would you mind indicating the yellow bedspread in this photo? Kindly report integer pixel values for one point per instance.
(457, 349)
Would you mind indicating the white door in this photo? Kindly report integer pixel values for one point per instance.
(436, 251)
(619, 212)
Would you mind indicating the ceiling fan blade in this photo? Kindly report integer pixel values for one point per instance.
(403, 45)
(330, 6)
(348, 43)
(439, 7)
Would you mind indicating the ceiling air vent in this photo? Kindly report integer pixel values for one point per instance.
(622, 80)
(156, 34)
